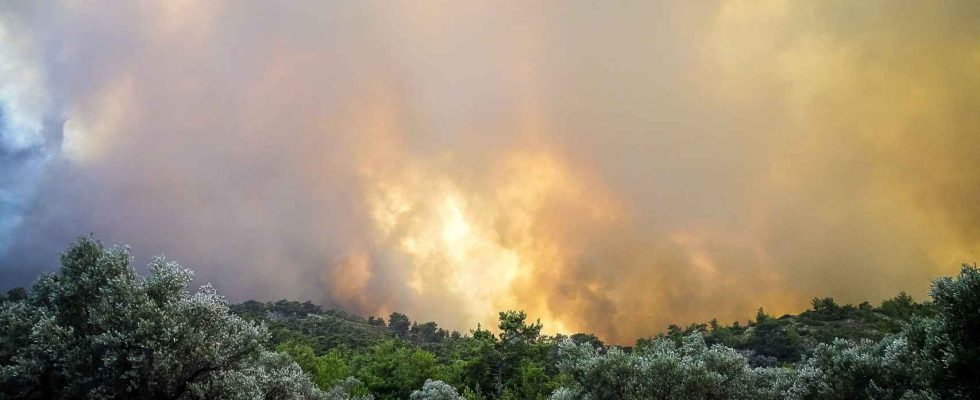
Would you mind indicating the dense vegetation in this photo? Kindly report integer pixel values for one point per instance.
(97, 329)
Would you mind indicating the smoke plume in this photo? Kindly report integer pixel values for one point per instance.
(610, 167)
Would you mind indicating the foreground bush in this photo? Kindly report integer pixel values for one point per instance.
(435, 390)
(664, 369)
(96, 329)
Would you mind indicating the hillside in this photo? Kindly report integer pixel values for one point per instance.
(764, 340)
(98, 329)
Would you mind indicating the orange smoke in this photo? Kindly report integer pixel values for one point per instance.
(611, 167)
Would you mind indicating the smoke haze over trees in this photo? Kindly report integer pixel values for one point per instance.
(591, 163)
(486, 200)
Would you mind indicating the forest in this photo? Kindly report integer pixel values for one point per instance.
(98, 329)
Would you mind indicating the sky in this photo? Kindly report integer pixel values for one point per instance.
(608, 167)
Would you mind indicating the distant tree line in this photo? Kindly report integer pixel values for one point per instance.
(97, 329)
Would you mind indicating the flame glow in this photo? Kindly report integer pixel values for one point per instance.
(673, 162)
(480, 246)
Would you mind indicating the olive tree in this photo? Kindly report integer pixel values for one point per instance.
(435, 390)
(887, 369)
(97, 329)
(931, 358)
(664, 369)
(952, 338)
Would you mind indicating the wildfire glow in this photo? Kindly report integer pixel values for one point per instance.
(674, 162)
(481, 247)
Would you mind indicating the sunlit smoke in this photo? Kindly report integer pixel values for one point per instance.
(610, 167)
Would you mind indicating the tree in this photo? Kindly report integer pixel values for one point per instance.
(952, 338)
(348, 389)
(664, 369)
(901, 306)
(399, 325)
(772, 339)
(888, 369)
(514, 329)
(826, 308)
(326, 370)
(589, 338)
(392, 369)
(476, 359)
(930, 358)
(435, 390)
(377, 321)
(15, 294)
(520, 372)
(271, 376)
(427, 333)
(96, 329)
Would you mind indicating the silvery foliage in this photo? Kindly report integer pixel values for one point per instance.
(270, 376)
(953, 337)
(435, 390)
(889, 369)
(665, 369)
(344, 389)
(96, 329)
(932, 358)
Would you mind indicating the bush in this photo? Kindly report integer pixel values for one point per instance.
(96, 329)
(435, 390)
